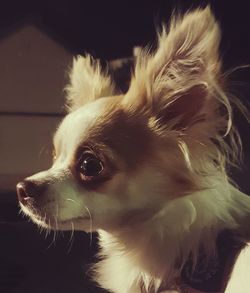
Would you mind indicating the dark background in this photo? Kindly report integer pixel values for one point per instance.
(108, 30)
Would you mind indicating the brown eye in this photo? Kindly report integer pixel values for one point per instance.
(90, 166)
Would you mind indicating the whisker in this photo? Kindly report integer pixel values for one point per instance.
(55, 230)
(46, 230)
(90, 219)
(57, 210)
(72, 231)
(70, 199)
(90, 225)
(71, 237)
(53, 240)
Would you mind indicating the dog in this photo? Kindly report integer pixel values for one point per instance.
(147, 169)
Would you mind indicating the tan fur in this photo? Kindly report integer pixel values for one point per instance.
(87, 82)
(164, 192)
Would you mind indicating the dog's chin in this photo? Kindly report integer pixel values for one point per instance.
(52, 223)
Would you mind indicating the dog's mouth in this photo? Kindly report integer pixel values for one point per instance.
(49, 220)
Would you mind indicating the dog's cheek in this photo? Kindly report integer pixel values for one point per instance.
(107, 203)
(68, 201)
(125, 199)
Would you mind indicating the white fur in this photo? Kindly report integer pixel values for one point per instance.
(150, 251)
(148, 224)
(240, 279)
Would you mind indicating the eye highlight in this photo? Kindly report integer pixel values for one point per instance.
(89, 167)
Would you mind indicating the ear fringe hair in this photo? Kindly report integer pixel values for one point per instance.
(88, 82)
(223, 146)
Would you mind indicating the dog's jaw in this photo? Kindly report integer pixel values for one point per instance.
(49, 221)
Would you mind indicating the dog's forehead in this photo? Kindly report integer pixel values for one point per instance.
(77, 125)
(105, 124)
(84, 123)
(85, 115)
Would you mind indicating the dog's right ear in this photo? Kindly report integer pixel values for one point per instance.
(87, 82)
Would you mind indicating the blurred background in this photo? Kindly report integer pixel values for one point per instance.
(37, 42)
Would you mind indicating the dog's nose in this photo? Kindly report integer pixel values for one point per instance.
(24, 190)
(21, 191)
(28, 189)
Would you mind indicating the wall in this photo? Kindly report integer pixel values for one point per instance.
(33, 75)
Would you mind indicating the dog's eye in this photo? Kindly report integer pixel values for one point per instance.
(90, 166)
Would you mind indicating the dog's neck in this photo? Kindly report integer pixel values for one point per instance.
(158, 249)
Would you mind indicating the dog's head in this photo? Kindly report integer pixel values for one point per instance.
(120, 158)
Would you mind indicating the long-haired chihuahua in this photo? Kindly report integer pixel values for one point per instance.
(147, 169)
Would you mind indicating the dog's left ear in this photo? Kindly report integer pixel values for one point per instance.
(177, 82)
(88, 82)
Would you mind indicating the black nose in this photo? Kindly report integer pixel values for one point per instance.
(25, 190)
(30, 189)
(21, 191)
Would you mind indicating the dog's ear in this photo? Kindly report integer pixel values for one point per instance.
(88, 82)
(177, 82)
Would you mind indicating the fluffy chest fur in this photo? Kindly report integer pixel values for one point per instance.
(152, 256)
